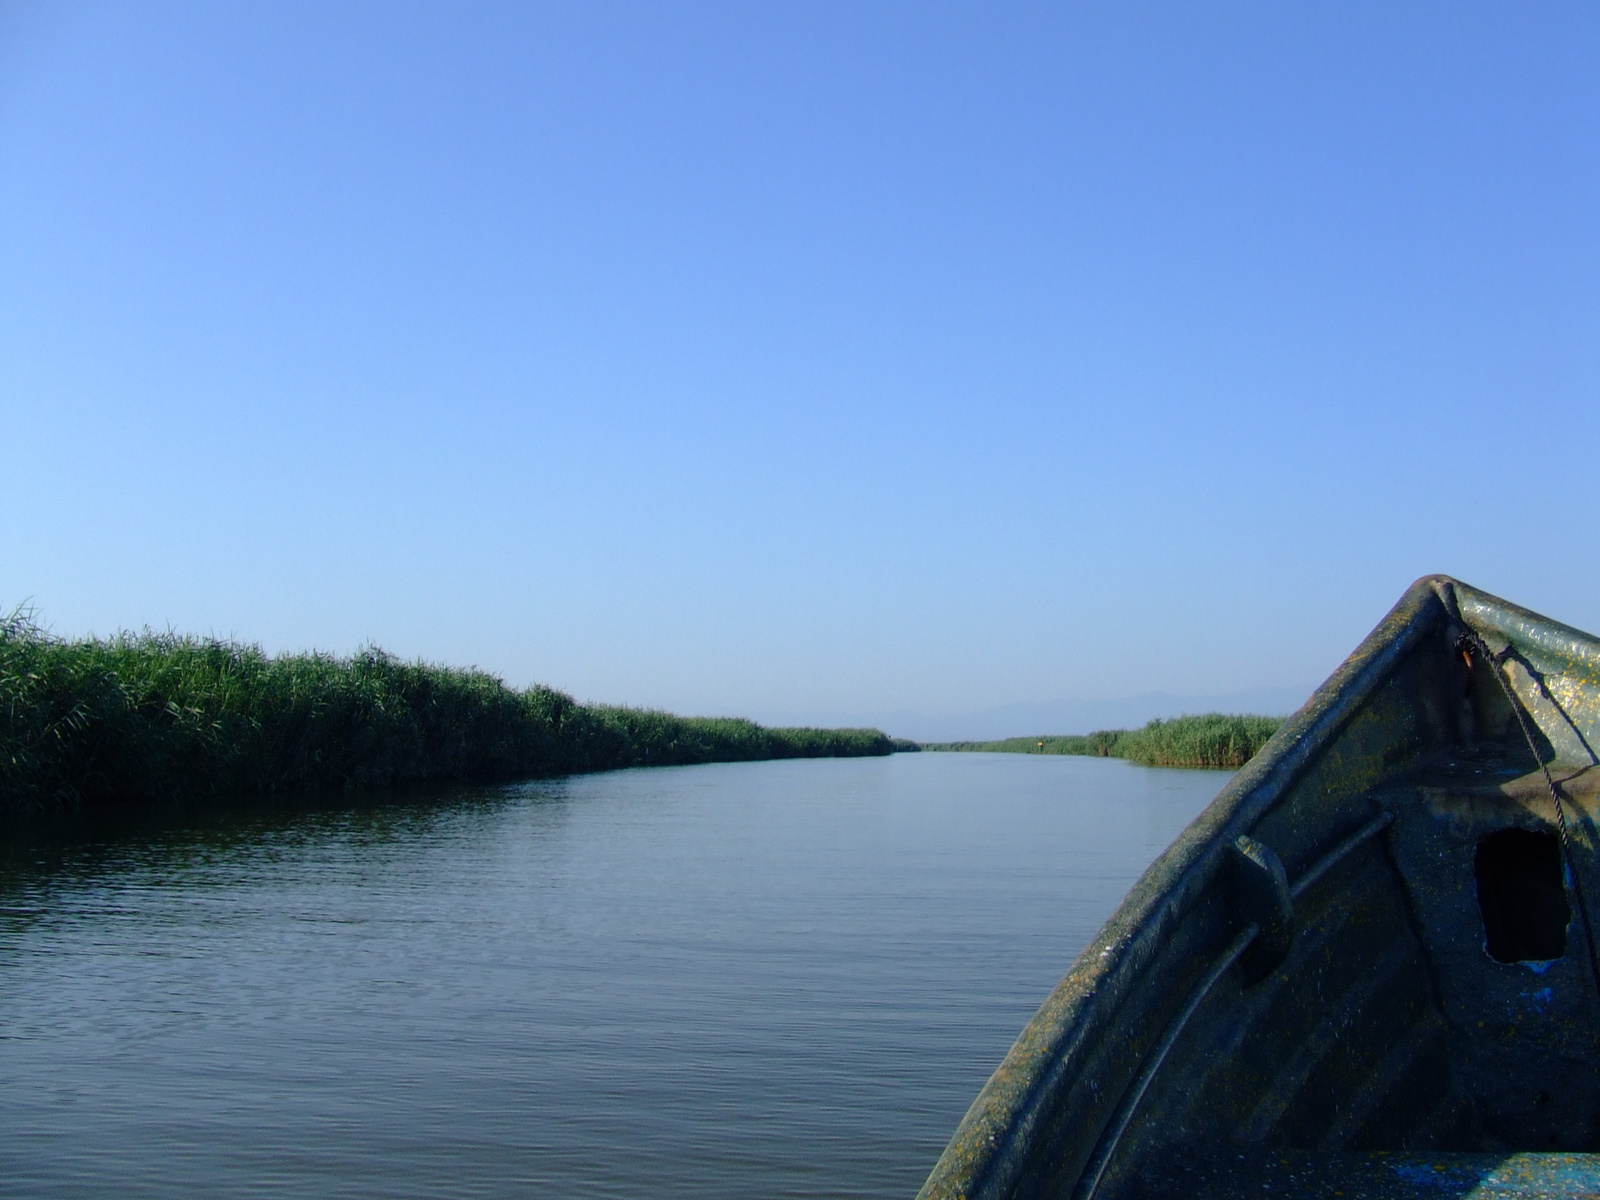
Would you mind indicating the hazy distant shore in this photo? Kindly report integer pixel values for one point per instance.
(147, 717)
(1209, 740)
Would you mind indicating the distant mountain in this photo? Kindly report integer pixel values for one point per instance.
(1080, 716)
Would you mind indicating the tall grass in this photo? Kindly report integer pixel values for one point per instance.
(1209, 740)
(142, 717)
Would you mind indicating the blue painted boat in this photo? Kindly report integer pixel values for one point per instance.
(1366, 969)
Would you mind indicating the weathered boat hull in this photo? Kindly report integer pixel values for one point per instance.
(1308, 976)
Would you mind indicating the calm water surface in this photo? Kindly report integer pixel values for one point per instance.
(751, 980)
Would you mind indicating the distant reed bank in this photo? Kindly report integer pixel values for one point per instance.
(146, 717)
(1211, 740)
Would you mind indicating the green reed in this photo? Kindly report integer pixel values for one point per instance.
(1209, 740)
(143, 717)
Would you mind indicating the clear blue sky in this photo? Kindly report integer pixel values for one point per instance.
(806, 361)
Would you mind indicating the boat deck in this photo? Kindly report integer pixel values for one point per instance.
(1380, 1175)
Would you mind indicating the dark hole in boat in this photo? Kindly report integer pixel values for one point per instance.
(1521, 896)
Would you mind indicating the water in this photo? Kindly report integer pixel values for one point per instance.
(752, 980)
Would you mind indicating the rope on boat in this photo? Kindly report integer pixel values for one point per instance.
(1470, 643)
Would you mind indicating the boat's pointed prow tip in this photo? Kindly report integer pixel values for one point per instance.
(1442, 586)
(1434, 580)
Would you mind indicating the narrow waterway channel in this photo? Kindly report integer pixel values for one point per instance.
(749, 980)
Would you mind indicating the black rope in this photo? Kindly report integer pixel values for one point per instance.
(1469, 642)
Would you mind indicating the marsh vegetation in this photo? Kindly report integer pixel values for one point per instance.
(151, 716)
(1209, 740)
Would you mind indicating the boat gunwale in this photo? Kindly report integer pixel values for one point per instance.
(1522, 627)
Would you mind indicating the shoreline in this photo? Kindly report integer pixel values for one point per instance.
(142, 718)
(1216, 740)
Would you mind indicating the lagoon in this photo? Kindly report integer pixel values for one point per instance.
(774, 979)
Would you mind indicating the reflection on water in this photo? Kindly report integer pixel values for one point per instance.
(756, 979)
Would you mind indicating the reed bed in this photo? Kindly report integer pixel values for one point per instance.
(144, 717)
(1209, 740)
